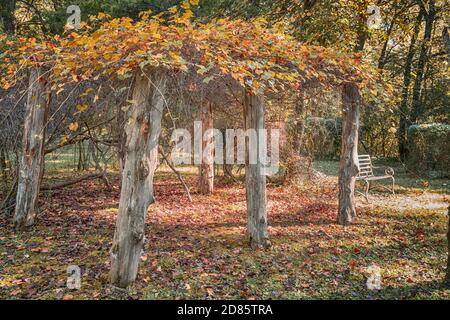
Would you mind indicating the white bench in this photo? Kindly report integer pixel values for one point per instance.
(367, 175)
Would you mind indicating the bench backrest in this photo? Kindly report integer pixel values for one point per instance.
(365, 166)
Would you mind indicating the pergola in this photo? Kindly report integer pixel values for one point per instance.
(251, 55)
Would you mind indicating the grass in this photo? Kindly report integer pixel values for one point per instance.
(405, 181)
(199, 250)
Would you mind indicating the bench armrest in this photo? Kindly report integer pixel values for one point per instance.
(387, 170)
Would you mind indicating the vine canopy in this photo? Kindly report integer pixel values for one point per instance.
(253, 53)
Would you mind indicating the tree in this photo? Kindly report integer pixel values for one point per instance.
(447, 276)
(404, 110)
(143, 127)
(56, 19)
(7, 10)
(446, 40)
(348, 166)
(255, 178)
(429, 16)
(206, 168)
(32, 158)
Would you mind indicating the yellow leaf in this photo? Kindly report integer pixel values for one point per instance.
(103, 15)
(289, 77)
(82, 107)
(85, 93)
(122, 71)
(73, 126)
(186, 5)
(63, 140)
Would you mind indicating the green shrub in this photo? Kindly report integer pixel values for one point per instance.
(429, 149)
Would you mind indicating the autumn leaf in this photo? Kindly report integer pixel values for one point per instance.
(186, 5)
(81, 108)
(64, 140)
(73, 126)
(40, 250)
(16, 292)
(122, 71)
(86, 92)
(173, 10)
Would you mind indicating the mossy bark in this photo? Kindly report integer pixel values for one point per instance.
(143, 127)
(348, 166)
(32, 158)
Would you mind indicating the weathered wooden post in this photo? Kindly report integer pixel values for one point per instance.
(143, 127)
(206, 168)
(348, 166)
(121, 139)
(255, 179)
(447, 276)
(32, 158)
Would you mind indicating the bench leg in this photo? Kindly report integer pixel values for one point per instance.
(393, 185)
(367, 190)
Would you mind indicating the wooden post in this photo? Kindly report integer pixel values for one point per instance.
(143, 127)
(206, 168)
(348, 167)
(32, 158)
(255, 178)
(122, 134)
(447, 276)
(122, 138)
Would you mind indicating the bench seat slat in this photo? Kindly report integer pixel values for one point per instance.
(378, 178)
(364, 176)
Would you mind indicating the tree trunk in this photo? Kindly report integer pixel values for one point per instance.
(97, 156)
(206, 169)
(32, 159)
(81, 165)
(382, 59)
(143, 127)
(348, 167)
(255, 178)
(122, 138)
(416, 102)
(9, 20)
(447, 276)
(403, 123)
(362, 33)
(9, 202)
(3, 168)
(446, 41)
